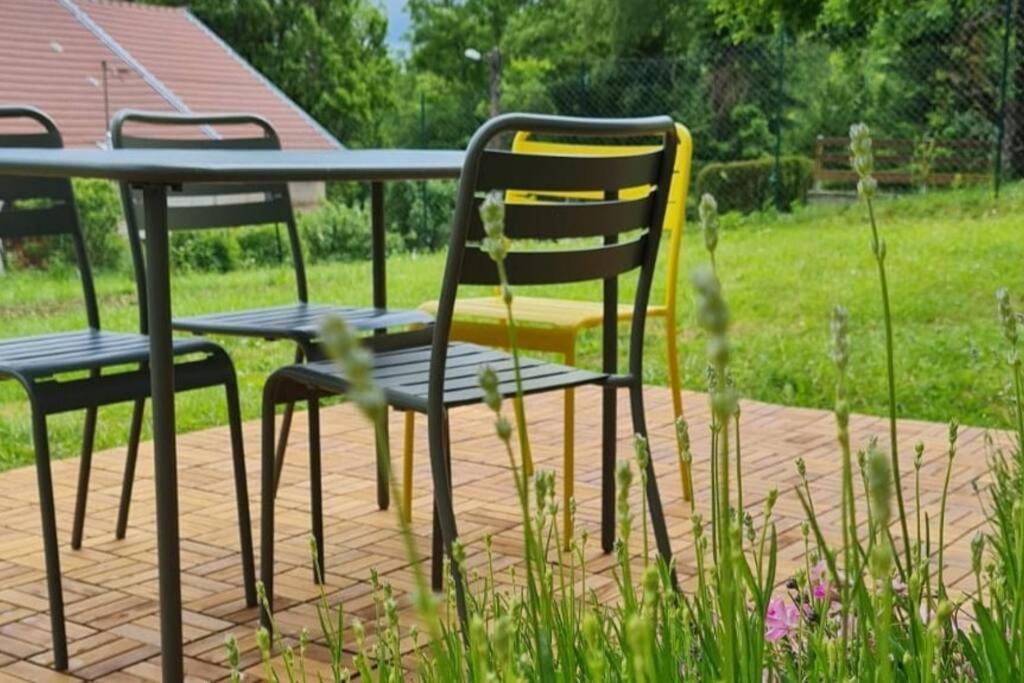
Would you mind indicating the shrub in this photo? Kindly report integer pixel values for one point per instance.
(264, 246)
(99, 210)
(206, 250)
(746, 186)
(339, 232)
(421, 213)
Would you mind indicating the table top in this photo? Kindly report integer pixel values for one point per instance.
(173, 166)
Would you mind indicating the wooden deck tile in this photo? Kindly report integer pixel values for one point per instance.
(110, 585)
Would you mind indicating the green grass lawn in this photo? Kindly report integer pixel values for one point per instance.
(947, 254)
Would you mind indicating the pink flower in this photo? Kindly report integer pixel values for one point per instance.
(820, 588)
(780, 620)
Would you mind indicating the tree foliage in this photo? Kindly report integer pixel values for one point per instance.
(330, 56)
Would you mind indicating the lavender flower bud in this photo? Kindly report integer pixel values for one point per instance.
(357, 363)
(708, 210)
(861, 154)
(683, 439)
(503, 427)
(867, 187)
(977, 548)
(642, 450)
(840, 337)
(234, 657)
(712, 312)
(492, 214)
(263, 640)
(487, 378)
(1006, 315)
(879, 476)
(862, 159)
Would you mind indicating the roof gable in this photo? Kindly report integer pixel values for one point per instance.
(157, 58)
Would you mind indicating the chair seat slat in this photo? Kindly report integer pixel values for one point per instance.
(301, 318)
(409, 390)
(47, 355)
(466, 374)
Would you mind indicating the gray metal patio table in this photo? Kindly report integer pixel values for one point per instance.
(157, 172)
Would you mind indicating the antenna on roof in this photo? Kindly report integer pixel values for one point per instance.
(118, 71)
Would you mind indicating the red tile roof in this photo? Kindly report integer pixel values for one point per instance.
(158, 58)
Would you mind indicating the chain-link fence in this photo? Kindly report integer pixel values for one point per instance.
(943, 84)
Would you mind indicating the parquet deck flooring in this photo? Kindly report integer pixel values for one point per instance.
(111, 586)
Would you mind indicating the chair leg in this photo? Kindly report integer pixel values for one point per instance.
(436, 554)
(282, 442)
(661, 537)
(440, 467)
(84, 471)
(568, 466)
(407, 456)
(267, 494)
(675, 383)
(383, 451)
(608, 437)
(286, 428)
(438, 547)
(316, 489)
(241, 492)
(50, 547)
(132, 458)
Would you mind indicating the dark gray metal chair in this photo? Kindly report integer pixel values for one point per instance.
(35, 207)
(201, 206)
(427, 373)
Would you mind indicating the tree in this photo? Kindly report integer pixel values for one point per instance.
(330, 56)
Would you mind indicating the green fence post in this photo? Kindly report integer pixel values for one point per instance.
(997, 172)
(779, 100)
(423, 183)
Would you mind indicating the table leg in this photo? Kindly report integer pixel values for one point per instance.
(380, 301)
(161, 370)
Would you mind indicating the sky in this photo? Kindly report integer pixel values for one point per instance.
(398, 22)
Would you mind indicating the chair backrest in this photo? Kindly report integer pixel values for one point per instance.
(203, 206)
(675, 212)
(578, 197)
(32, 206)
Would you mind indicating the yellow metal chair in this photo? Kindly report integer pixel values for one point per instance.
(552, 325)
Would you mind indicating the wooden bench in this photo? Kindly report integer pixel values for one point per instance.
(952, 161)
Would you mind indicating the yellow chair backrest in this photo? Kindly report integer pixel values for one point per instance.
(675, 212)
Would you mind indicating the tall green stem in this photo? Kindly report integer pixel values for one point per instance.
(877, 247)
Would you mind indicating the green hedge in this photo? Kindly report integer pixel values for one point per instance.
(746, 186)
